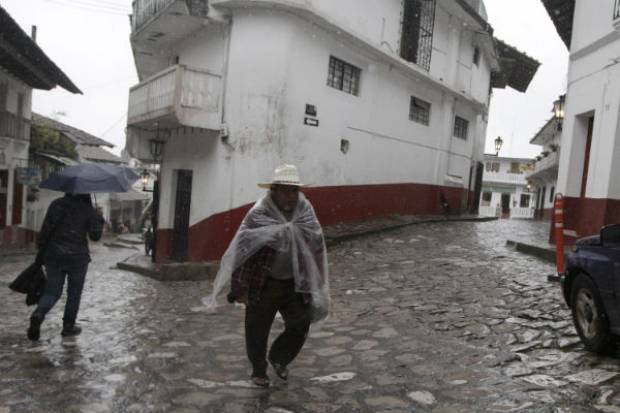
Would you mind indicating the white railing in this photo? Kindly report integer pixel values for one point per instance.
(187, 93)
(523, 213)
(145, 10)
(505, 177)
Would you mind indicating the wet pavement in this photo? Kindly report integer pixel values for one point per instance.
(435, 317)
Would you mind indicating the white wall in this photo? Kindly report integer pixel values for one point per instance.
(587, 12)
(277, 64)
(593, 90)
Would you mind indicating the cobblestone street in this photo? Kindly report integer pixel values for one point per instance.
(430, 318)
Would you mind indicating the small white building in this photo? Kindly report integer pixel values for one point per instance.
(23, 67)
(505, 191)
(590, 158)
(382, 104)
(543, 176)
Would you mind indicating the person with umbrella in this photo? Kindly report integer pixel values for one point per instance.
(63, 239)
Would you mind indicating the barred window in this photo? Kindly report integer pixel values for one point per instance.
(460, 128)
(525, 201)
(416, 45)
(343, 76)
(419, 111)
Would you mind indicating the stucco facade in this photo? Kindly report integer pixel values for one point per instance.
(590, 157)
(263, 68)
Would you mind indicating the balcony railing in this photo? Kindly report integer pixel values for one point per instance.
(549, 163)
(505, 177)
(145, 11)
(177, 96)
(13, 126)
(523, 213)
(616, 15)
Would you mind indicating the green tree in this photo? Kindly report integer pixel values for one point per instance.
(49, 140)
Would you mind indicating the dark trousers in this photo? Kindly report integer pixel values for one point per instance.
(276, 296)
(56, 273)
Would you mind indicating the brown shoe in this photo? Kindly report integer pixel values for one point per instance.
(261, 381)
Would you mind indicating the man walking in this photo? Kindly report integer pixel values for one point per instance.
(277, 263)
(63, 248)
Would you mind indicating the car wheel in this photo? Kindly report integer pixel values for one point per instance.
(589, 316)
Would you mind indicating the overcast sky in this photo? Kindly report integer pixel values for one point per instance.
(89, 40)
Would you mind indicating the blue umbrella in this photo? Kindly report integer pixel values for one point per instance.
(91, 178)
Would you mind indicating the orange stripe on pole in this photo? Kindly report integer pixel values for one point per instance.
(559, 233)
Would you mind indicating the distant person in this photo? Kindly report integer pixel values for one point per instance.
(148, 241)
(63, 249)
(277, 263)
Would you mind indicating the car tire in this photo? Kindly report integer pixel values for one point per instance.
(589, 316)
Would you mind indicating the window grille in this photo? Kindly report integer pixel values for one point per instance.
(552, 194)
(419, 111)
(343, 76)
(416, 44)
(460, 128)
(525, 201)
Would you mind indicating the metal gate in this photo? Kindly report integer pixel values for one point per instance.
(180, 233)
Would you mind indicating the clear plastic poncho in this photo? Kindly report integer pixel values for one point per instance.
(265, 226)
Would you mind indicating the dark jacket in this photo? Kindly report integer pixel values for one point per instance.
(68, 221)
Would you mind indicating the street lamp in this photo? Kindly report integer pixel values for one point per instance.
(559, 111)
(144, 178)
(157, 146)
(498, 145)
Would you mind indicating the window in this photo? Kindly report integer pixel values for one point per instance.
(343, 76)
(492, 166)
(416, 44)
(419, 111)
(486, 198)
(552, 194)
(525, 201)
(460, 128)
(477, 56)
(515, 168)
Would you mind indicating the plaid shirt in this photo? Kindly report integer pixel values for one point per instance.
(250, 277)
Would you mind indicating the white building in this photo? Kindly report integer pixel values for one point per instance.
(505, 191)
(382, 104)
(590, 157)
(543, 176)
(23, 67)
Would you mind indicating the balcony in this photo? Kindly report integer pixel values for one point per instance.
(13, 126)
(176, 97)
(616, 15)
(546, 168)
(505, 178)
(164, 21)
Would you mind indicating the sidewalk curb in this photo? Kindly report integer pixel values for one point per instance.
(208, 270)
(543, 253)
(338, 239)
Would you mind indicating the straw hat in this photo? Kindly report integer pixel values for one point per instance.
(284, 175)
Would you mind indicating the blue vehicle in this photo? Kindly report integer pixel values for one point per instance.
(591, 288)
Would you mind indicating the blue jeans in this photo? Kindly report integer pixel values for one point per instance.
(56, 273)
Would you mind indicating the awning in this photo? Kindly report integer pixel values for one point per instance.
(562, 13)
(23, 58)
(516, 68)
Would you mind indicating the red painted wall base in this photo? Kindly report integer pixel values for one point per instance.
(586, 216)
(209, 238)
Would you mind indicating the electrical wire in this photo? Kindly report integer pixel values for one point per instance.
(114, 125)
(86, 8)
(104, 3)
(90, 3)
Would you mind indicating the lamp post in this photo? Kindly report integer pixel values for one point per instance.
(156, 148)
(559, 112)
(499, 142)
